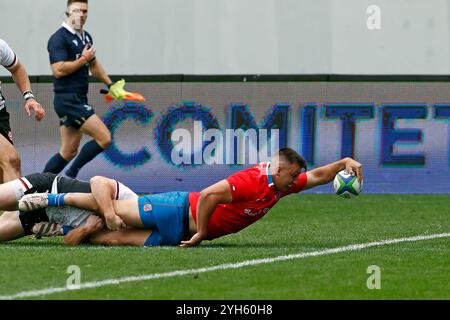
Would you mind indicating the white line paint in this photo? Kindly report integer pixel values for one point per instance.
(226, 266)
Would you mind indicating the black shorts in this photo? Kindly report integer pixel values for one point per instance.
(72, 109)
(40, 182)
(65, 185)
(44, 182)
(5, 128)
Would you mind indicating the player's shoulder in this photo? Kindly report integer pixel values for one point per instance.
(4, 46)
(58, 35)
(3, 43)
(255, 174)
(61, 31)
(248, 184)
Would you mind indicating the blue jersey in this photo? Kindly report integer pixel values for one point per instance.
(67, 45)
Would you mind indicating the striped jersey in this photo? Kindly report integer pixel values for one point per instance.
(7, 59)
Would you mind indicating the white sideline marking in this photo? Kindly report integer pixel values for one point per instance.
(96, 284)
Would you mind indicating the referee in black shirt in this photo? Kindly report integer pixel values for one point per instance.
(72, 56)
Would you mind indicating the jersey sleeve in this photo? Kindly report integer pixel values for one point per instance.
(7, 56)
(57, 50)
(243, 185)
(298, 185)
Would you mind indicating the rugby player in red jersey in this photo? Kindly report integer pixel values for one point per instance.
(186, 219)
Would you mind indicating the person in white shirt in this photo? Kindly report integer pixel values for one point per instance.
(9, 158)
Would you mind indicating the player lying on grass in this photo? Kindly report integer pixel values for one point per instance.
(15, 224)
(186, 219)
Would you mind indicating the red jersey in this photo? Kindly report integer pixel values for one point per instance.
(253, 193)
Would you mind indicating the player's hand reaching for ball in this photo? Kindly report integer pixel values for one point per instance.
(354, 167)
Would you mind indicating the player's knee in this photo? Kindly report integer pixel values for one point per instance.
(69, 154)
(9, 159)
(105, 142)
(96, 180)
(10, 229)
(13, 161)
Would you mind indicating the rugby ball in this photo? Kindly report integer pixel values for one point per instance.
(347, 185)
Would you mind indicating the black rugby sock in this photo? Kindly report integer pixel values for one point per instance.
(89, 151)
(56, 164)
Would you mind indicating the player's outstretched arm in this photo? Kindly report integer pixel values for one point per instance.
(122, 237)
(326, 174)
(81, 234)
(207, 202)
(22, 81)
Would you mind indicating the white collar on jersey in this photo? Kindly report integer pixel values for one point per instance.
(73, 31)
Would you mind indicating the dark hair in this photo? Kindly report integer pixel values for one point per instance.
(291, 156)
(69, 2)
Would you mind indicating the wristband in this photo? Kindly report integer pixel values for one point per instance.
(28, 95)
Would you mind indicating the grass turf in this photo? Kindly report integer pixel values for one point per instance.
(298, 223)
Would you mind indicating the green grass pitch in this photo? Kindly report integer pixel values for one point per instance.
(297, 224)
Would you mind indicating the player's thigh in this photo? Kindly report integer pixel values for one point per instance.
(95, 127)
(122, 237)
(10, 226)
(7, 153)
(12, 191)
(128, 211)
(9, 194)
(70, 139)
